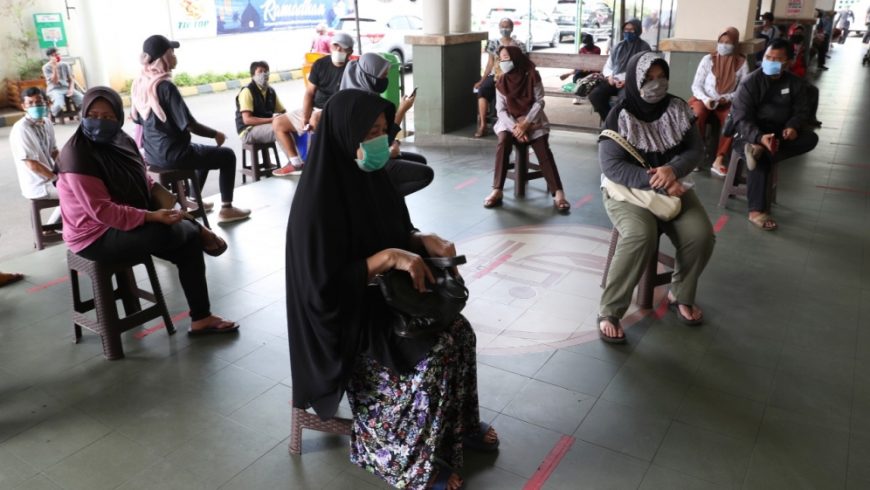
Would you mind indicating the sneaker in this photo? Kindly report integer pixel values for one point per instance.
(208, 206)
(287, 171)
(576, 101)
(751, 156)
(230, 214)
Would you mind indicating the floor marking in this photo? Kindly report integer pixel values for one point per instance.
(842, 189)
(583, 200)
(463, 185)
(550, 463)
(493, 265)
(54, 282)
(161, 325)
(720, 223)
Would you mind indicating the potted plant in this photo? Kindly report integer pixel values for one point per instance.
(19, 44)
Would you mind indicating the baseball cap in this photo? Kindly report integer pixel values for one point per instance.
(343, 39)
(157, 45)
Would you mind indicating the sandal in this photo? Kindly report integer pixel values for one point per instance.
(719, 171)
(477, 441)
(615, 322)
(441, 479)
(561, 205)
(480, 133)
(692, 322)
(763, 221)
(222, 327)
(492, 202)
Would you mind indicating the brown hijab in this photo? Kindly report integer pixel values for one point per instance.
(518, 85)
(725, 67)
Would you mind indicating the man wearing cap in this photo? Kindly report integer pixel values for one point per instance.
(167, 125)
(59, 82)
(323, 81)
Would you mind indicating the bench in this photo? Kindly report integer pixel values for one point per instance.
(567, 61)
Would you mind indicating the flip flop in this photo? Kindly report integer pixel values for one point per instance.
(214, 329)
(9, 278)
(764, 222)
(684, 319)
(476, 441)
(718, 172)
(561, 205)
(607, 338)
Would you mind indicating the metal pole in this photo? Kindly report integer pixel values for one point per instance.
(356, 14)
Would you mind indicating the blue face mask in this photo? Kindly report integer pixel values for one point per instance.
(376, 152)
(37, 112)
(771, 68)
(100, 130)
(629, 36)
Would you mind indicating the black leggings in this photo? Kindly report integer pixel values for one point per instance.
(409, 172)
(204, 158)
(180, 244)
(600, 98)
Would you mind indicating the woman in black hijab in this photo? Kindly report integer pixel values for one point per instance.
(661, 128)
(615, 68)
(110, 212)
(413, 400)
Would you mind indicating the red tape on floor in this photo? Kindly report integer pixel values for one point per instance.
(720, 223)
(550, 463)
(493, 265)
(463, 185)
(583, 200)
(160, 326)
(54, 282)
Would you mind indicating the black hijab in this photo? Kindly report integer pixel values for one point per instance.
(340, 216)
(117, 163)
(654, 128)
(624, 50)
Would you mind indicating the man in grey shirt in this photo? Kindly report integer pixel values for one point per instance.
(60, 83)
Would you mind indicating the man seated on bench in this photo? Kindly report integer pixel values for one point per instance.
(257, 108)
(323, 81)
(772, 115)
(34, 150)
(60, 82)
(614, 69)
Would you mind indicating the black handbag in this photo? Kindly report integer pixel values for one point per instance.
(417, 314)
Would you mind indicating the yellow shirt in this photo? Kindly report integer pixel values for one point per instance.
(246, 103)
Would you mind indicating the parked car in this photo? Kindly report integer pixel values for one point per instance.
(597, 20)
(565, 15)
(543, 29)
(384, 37)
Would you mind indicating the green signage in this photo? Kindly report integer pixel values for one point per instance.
(49, 30)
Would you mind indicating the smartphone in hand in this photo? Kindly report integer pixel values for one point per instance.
(414, 92)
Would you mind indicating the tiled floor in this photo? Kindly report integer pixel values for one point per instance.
(772, 392)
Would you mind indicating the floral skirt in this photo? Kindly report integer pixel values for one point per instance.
(402, 422)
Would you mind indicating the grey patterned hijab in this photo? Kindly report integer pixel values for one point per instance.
(649, 127)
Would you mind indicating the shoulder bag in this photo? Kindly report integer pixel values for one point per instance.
(663, 206)
(417, 314)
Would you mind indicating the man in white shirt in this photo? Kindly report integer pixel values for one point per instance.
(34, 150)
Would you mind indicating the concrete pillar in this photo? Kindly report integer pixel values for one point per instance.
(435, 17)
(460, 16)
(704, 19)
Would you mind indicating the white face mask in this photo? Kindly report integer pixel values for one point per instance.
(339, 57)
(506, 66)
(725, 49)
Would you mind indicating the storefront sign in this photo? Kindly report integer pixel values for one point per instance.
(240, 16)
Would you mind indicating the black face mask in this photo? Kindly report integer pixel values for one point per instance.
(797, 39)
(381, 85)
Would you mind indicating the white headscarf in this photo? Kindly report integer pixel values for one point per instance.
(144, 89)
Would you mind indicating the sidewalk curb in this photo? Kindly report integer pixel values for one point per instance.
(209, 88)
